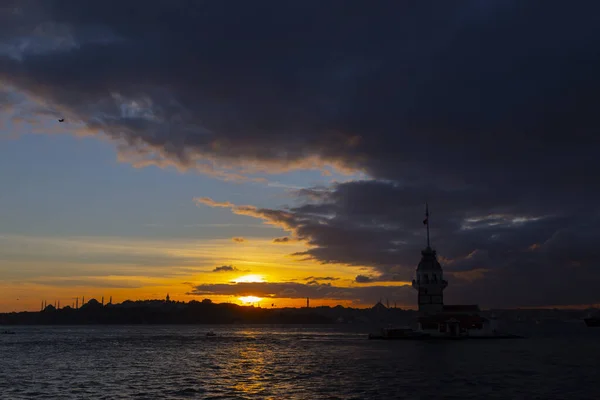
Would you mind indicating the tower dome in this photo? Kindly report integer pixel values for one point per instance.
(429, 261)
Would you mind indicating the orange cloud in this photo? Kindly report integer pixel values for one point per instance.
(210, 202)
(238, 239)
(279, 218)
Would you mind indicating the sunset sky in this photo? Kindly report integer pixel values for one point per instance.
(286, 149)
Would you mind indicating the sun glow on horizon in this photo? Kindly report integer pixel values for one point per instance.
(249, 279)
(250, 299)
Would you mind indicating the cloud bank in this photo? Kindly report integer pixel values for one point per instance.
(488, 110)
(358, 295)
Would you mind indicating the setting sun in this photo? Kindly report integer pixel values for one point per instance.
(250, 299)
(249, 279)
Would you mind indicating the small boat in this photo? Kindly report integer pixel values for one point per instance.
(592, 319)
(7, 332)
(210, 333)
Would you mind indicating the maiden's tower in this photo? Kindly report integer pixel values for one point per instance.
(435, 318)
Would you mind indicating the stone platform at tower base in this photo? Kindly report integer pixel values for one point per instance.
(426, 337)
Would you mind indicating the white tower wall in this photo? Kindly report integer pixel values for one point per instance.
(430, 283)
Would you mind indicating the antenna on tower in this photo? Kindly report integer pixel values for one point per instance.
(426, 222)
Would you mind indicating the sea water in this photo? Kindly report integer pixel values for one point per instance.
(291, 362)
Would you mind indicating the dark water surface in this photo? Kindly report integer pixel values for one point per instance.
(266, 362)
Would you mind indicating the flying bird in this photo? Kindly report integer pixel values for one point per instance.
(61, 120)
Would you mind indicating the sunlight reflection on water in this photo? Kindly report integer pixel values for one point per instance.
(241, 362)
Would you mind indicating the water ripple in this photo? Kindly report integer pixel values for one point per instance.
(181, 362)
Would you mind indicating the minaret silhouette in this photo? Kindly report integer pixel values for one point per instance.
(102, 300)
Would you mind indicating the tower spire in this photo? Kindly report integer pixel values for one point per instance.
(426, 222)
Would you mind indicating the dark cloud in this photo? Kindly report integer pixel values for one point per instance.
(283, 240)
(288, 292)
(360, 295)
(488, 110)
(317, 280)
(321, 278)
(363, 279)
(225, 268)
(397, 89)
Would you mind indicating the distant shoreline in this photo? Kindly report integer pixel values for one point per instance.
(161, 312)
